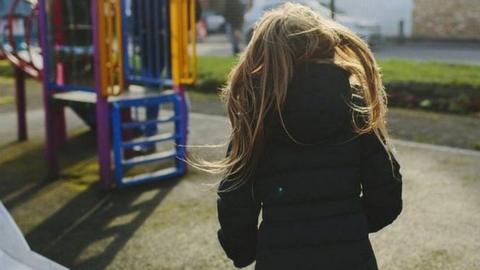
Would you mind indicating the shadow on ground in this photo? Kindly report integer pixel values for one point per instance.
(80, 215)
(18, 158)
(103, 221)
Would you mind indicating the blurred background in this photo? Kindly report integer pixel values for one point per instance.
(429, 55)
(435, 30)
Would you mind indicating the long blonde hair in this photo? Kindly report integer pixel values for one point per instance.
(283, 38)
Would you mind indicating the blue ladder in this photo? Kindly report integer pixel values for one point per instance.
(148, 133)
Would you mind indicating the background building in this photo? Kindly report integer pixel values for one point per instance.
(429, 19)
(447, 19)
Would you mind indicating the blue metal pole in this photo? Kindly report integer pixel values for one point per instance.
(166, 47)
(149, 39)
(158, 42)
(117, 142)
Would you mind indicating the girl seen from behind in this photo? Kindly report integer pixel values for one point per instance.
(309, 148)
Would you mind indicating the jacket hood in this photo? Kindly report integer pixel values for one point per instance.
(316, 107)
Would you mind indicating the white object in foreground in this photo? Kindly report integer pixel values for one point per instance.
(14, 250)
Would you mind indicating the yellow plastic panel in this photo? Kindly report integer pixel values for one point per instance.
(183, 41)
(110, 50)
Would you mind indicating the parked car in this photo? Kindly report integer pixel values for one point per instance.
(215, 22)
(369, 30)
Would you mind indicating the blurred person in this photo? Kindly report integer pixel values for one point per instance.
(309, 148)
(233, 13)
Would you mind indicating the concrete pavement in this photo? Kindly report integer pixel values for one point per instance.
(172, 225)
(449, 52)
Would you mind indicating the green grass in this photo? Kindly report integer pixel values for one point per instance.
(476, 146)
(6, 100)
(214, 70)
(6, 69)
(395, 70)
(215, 65)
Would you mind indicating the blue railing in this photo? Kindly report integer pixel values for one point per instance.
(148, 133)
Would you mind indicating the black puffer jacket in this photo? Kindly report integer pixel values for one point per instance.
(319, 200)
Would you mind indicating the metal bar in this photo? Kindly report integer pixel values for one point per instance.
(166, 41)
(157, 72)
(148, 38)
(129, 28)
(117, 140)
(149, 159)
(181, 129)
(167, 173)
(129, 134)
(138, 58)
(21, 105)
(74, 49)
(102, 110)
(145, 81)
(71, 28)
(146, 141)
(147, 123)
(54, 86)
(142, 32)
(149, 101)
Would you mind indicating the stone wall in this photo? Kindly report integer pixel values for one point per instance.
(447, 19)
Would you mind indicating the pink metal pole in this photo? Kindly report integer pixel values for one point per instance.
(21, 104)
(102, 110)
(59, 111)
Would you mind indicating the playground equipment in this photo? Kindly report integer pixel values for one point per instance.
(120, 65)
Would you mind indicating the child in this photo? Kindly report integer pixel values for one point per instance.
(309, 148)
